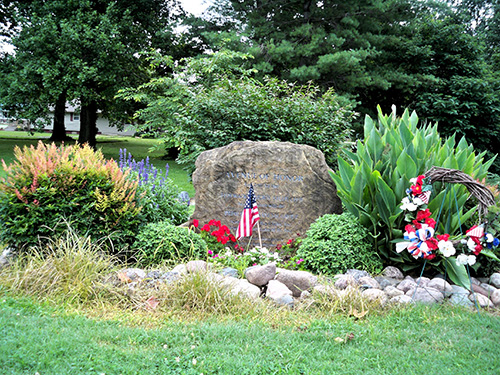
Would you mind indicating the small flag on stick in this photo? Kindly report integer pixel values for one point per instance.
(249, 216)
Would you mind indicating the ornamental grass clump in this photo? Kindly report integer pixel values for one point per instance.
(48, 183)
(66, 269)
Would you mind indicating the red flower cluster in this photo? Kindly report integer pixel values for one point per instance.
(417, 188)
(222, 233)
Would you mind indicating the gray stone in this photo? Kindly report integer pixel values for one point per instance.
(393, 292)
(479, 290)
(155, 275)
(195, 266)
(279, 293)
(228, 271)
(495, 297)
(170, 277)
(6, 257)
(425, 295)
(180, 269)
(296, 281)
(386, 281)
(393, 273)
(406, 285)
(375, 295)
(260, 275)
(344, 281)
(460, 299)
(135, 274)
(482, 301)
(495, 280)
(489, 288)
(408, 277)
(291, 184)
(305, 294)
(402, 299)
(475, 281)
(357, 274)
(368, 282)
(326, 290)
(455, 289)
(215, 277)
(441, 285)
(241, 287)
(422, 281)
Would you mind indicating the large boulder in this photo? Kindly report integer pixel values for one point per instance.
(296, 281)
(291, 183)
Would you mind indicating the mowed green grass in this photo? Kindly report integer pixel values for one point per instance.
(421, 340)
(110, 146)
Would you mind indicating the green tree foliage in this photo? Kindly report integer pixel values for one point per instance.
(84, 50)
(372, 181)
(211, 102)
(439, 58)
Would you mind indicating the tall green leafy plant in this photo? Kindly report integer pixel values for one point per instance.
(372, 180)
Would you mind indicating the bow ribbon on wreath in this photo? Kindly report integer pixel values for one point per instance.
(420, 242)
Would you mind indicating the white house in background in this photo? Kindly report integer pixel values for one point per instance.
(72, 123)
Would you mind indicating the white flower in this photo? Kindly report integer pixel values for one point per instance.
(407, 205)
(418, 201)
(461, 260)
(464, 259)
(413, 180)
(489, 237)
(471, 244)
(446, 248)
(471, 259)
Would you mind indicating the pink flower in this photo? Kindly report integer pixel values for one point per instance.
(210, 252)
(300, 261)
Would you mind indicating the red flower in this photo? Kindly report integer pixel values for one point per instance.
(430, 222)
(224, 229)
(423, 214)
(429, 256)
(477, 250)
(217, 223)
(289, 242)
(223, 239)
(417, 224)
(420, 179)
(432, 243)
(195, 223)
(206, 228)
(278, 246)
(410, 228)
(443, 237)
(416, 189)
(232, 238)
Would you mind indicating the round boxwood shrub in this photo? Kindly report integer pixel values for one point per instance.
(162, 241)
(336, 243)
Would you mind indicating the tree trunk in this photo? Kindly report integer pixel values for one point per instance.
(59, 130)
(88, 124)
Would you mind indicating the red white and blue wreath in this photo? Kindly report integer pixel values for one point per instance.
(420, 238)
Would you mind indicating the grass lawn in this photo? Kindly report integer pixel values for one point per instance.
(422, 340)
(110, 147)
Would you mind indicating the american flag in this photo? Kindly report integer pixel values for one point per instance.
(249, 216)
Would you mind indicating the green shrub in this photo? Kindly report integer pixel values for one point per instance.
(162, 241)
(371, 182)
(48, 183)
(336, 243)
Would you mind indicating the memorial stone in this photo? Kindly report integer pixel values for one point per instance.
(291, 183)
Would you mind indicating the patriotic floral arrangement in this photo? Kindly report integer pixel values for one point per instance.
(420, 239)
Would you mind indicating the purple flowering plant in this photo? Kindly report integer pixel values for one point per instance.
(159, 198)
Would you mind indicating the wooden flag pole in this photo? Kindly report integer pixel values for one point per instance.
(258, 230)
